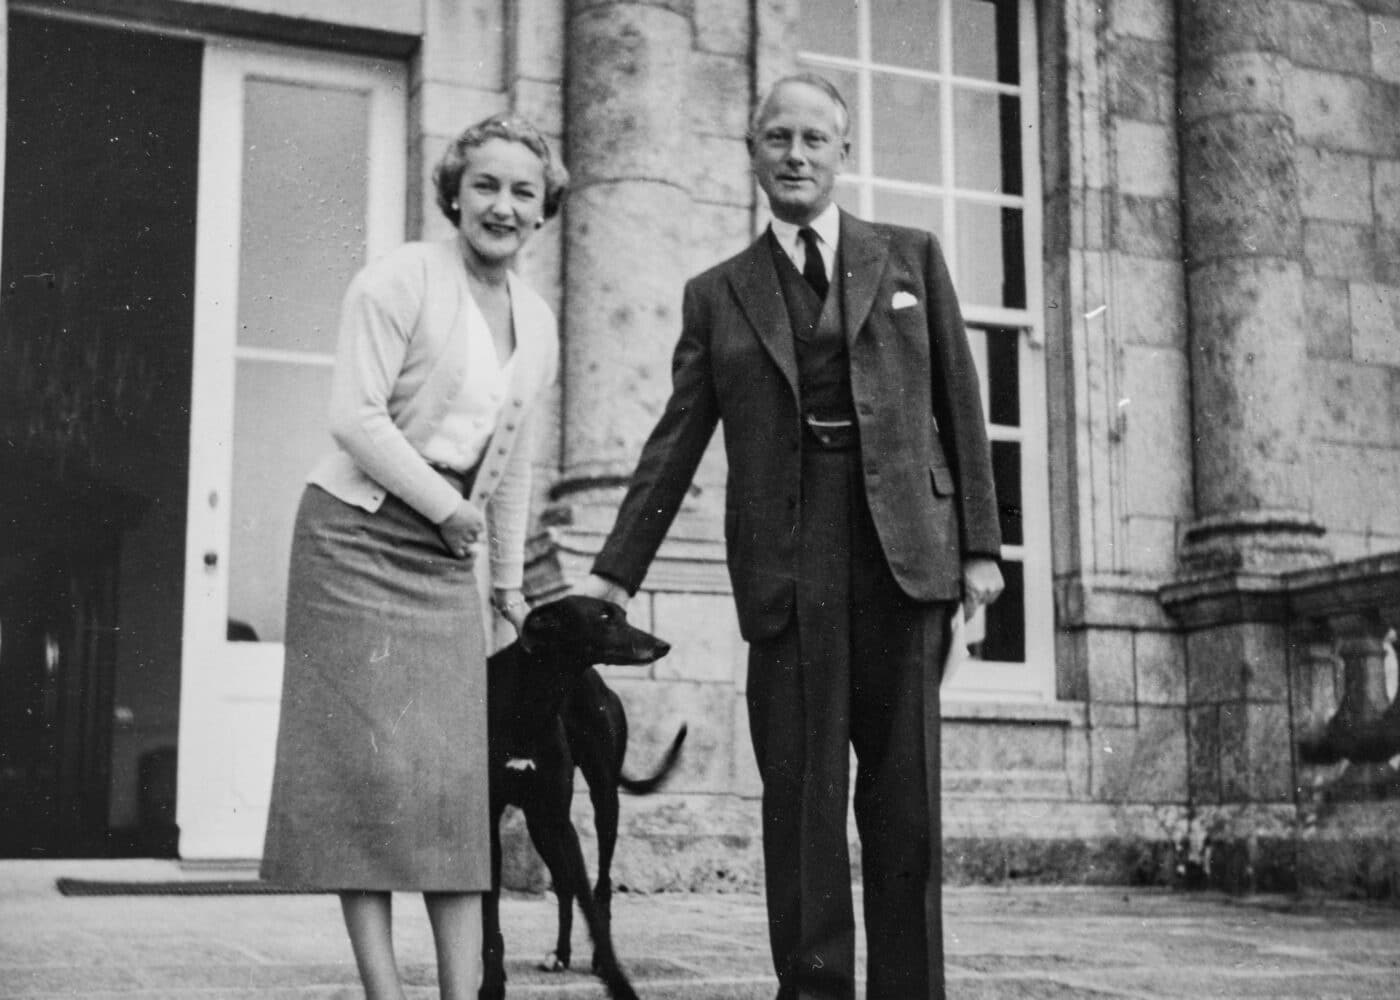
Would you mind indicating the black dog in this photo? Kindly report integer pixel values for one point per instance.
(532, 763)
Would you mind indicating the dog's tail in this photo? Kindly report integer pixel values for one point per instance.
(649, 784)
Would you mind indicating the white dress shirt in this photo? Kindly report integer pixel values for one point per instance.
(827, 226)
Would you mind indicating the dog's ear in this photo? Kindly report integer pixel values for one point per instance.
(542, 622)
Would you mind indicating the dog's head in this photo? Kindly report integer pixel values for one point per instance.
(589, 630)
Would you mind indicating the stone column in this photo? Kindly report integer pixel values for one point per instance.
(626, 233)
(1243, 242)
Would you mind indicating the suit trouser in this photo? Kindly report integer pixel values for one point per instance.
(858, 665)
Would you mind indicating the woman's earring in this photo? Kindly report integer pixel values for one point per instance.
(456, 207)
(539, 223)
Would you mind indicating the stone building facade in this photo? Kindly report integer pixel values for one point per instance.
(1176, 228)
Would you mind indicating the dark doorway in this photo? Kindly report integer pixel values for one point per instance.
(96, 327)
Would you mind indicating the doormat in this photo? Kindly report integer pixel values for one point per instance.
(179, 887)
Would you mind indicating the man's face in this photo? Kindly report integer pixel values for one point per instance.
(798, 150)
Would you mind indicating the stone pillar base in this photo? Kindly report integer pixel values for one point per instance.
(1259, 541)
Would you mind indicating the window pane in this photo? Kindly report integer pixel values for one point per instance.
(1006, 471)
(917, 211)
(905, 33)
(829, 27)
(1004, 377)
(907, 140)
(1005, 639)
(990, 257)
(976, 51)
(303, 232)
(987, 155)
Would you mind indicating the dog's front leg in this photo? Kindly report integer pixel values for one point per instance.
(493, 942)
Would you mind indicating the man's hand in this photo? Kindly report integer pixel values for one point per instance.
(982, 583)
(603, 589)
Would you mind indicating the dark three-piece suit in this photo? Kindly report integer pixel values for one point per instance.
(859, 481)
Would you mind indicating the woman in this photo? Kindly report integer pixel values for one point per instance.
(380, 780)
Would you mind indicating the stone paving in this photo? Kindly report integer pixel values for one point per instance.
(1003, 944)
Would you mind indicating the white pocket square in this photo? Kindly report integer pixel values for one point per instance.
(903, 300)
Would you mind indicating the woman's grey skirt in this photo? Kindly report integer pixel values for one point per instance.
(380, 779)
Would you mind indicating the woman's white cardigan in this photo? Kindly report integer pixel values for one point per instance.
(400, 361)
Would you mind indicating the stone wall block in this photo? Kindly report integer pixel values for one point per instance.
(655, 711)
(539, 38)
(1113, 754)
(1353, 404)
(542, 101)
(1243, 82)
(1345, 113)
(1150, 545)
(718, 100)
(1150, 19)
(1160, 661)
(1327, 306)
(1000, 746)
(1334, 186)
(1146, 158)
(1203, 753)
(464, 42)
(623, 316)
(1349, 482)
(1385, 47)
(1109, 654)
(746, 780)
(1071, 659)
(1149, 227)
(724, 26)
(703, 631)
(1241, 187)
(1155, 420)
(1247, 661)
(1142, 81)
(630, 73)
(1247, 380)
(1327, 36)
(1256, 759)
(1385, 188)
(1210, 30)
(1155, 289)
(1375, 314)
(1338, 250)
(1158, 770)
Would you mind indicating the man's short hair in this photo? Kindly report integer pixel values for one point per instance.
(812, 80)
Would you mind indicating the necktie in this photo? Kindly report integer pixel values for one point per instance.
(812, 268)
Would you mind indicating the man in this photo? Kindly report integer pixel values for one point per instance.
(859, 511)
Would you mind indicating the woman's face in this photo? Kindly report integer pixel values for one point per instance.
(501, 198)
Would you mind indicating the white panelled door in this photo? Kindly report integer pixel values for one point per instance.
(301, 181)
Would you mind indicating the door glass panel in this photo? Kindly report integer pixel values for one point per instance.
(990, 271)
(906, 129)
(988, 152)
(905, 33)
(279, 431)
(828, 25)
(904, 209)
(303, 227)
(305, 191)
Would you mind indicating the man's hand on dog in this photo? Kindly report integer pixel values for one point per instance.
(461, 532)
(603, 589)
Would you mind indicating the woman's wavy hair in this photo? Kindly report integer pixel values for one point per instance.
(447, 177)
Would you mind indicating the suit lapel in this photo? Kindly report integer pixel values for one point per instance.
(755, 282)
(863, 256)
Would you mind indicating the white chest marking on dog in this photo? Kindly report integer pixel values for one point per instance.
(521, 764)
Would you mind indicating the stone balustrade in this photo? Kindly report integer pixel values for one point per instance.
(1344, 620)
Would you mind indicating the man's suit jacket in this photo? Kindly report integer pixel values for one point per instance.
(923, 443)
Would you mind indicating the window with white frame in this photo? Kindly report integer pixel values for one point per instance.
(943, 101)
